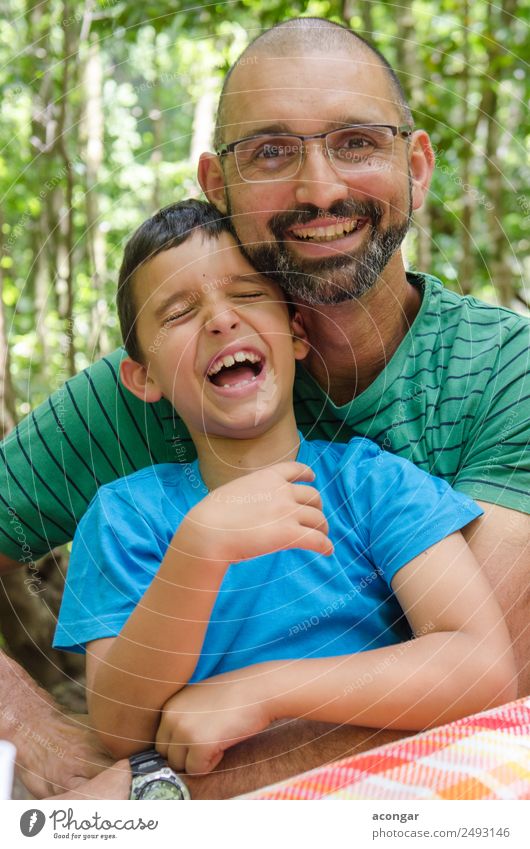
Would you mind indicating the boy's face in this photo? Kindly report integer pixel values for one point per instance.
(216, 338)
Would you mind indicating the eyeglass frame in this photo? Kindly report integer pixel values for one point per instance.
(404, 130)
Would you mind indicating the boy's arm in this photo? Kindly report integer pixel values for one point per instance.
(460, 662)
(131, 676)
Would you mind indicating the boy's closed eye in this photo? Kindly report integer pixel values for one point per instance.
(175, 316)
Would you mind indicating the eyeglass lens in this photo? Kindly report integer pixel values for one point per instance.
(280, 157)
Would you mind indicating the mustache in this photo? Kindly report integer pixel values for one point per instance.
(342, 209)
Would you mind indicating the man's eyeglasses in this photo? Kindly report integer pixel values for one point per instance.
(268, 157)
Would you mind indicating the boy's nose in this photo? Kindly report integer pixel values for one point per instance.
(222, 320)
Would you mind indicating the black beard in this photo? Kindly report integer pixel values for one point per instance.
(335, 279)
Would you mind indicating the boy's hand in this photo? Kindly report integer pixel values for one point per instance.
(203, 720)
(259, 513)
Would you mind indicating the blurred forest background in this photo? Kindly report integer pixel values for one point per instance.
(106, 105)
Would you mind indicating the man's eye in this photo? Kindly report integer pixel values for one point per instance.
(249, 295)
(359, 142)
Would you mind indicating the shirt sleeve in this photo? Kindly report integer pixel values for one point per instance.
(91, 431)
(115, 556)
(401, 511)
(496, 464)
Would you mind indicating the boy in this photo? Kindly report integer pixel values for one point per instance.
(286, 600)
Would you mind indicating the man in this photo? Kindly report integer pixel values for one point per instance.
(438, 379)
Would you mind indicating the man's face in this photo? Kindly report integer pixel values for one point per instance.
(216, 339)
(325, 235)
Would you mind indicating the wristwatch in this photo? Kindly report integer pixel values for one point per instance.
(152, 778)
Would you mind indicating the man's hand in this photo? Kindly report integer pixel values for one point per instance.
(54, 752)
(112, 783)
(257, 514)
(59, 754)
(203, 720)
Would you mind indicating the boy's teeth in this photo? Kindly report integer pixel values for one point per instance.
(231, 359)
(236, 385)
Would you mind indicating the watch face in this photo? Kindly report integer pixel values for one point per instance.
(159, 788)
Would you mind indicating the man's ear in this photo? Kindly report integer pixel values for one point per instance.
(300, 341)
(135, 378)
(212, 180)
(422, 162)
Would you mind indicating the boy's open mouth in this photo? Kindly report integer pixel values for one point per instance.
(236, 369)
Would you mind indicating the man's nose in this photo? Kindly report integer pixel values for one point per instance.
(221, 319)
(317, 182)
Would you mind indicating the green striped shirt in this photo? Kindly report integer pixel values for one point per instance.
(454, 399)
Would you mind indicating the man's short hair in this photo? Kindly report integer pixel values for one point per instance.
(320, 35)
(167, 229)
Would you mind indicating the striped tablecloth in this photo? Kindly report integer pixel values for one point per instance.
(485, 756)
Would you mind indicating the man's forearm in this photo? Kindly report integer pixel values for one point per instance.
(54, 752)
(24, 707)
(285, 749)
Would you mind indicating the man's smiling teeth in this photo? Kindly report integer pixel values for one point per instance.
(328, 233)
(231, 359)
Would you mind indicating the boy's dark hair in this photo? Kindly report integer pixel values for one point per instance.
(168, 228)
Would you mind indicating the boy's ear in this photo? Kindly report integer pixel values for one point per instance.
(135, 378)
(212, 180)
(300, 341)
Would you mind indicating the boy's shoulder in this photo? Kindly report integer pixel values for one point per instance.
(149, 491)
(332, 452)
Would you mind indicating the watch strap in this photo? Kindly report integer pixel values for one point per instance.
(143, 763)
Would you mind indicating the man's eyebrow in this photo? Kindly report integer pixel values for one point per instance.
(278, 127)
(335, 124)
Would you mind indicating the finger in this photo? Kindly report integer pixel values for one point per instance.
(311, 517)
(203, 758)
(294, 471)
(307, 495)
(315, 541)
(176, 756)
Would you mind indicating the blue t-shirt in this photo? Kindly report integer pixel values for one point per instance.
(382, 512)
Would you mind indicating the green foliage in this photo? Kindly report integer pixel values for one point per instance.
(158, 59)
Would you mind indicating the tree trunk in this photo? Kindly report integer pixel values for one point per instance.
(66, 216)
(203, 123)
(364, 9)
(411, 76)
(466, 266)
(501, 273)
(93, 132)
(7, 394)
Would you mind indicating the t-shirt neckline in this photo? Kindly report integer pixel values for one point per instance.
(376, 390)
